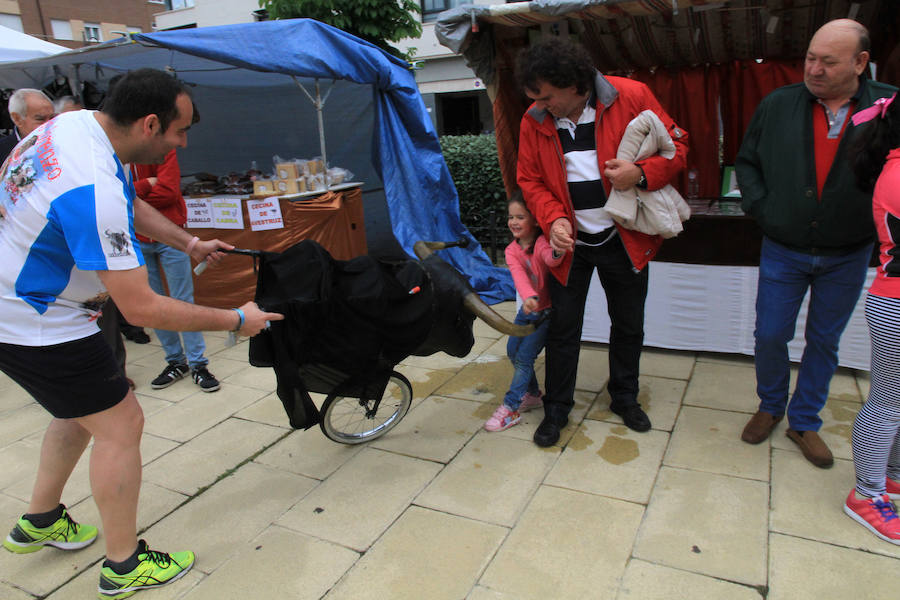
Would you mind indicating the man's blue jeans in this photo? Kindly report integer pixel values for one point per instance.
(177, 267)
(523, 351)
(834, 283)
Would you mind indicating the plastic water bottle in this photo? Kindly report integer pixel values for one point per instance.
(693, 187)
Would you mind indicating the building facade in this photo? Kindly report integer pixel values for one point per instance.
(78, 24)
(455, 98)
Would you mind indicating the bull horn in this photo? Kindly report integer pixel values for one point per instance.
(480, 309)
(472, 301)
(425, 249)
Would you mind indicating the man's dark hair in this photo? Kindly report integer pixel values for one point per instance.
(144, 92)
(557, 61)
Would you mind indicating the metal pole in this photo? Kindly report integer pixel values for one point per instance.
(319, 105)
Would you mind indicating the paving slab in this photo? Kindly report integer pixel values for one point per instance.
(200, 412)
(674, 364)
(705, 439)
(218, 518)
(647, 581)
(795, 511)
(443, 563)
(21, 422)
(593, 369)
(268, 410)
(199, 462)
(723, 386)
(278, 563)
(434, 430)
(485, 380)
(356, 504)
(491, 480)
(804, 570)
(310, 453)
(658, 396)
(553, 553)
(444, 362)
(692, 524)
(610, 460)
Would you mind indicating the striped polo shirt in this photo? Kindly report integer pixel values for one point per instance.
(579, 146)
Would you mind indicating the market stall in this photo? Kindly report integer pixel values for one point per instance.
(259, 87)
(709, 63)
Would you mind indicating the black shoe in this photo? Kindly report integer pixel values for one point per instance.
(547, 433)
(205, 380)
(136, 335)
(172, 373)
(634, 416)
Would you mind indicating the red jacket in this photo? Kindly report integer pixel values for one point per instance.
(165, 196)
(542, 169)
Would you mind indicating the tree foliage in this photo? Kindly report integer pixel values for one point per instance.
(376, 21)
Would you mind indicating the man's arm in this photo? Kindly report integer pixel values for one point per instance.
(543, 204)
(748, 164)
(143, 307)
(658, 170)
(164, 189)
(150, 222)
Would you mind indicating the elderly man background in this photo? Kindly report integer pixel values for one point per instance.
(28, 109)
(795, 177)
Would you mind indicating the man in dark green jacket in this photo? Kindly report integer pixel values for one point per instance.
(795, 178)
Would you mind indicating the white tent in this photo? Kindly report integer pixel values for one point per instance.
(16, 46)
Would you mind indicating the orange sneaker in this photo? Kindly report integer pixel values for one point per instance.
(878, 515)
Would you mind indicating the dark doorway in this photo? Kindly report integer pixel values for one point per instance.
(459, 114)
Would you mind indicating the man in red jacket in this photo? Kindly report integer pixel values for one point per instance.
(160, 186)
(566, 167)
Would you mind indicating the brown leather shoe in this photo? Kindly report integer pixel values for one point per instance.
(759, 427)
(813, 447)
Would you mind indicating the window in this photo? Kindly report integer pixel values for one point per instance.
(176, 4)
(92, 32)
(62, 30)
(12, 21)
(431, 8)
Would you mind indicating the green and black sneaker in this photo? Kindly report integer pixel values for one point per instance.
(64, 534)
(154, 569)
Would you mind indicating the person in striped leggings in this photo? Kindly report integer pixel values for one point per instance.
(876, 431)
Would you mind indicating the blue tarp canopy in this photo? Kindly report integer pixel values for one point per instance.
(246, 80)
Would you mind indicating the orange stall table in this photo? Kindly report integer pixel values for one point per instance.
(334, 219)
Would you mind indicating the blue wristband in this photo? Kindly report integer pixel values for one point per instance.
(241, 323)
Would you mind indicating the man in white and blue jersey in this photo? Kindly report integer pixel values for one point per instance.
(67, 238)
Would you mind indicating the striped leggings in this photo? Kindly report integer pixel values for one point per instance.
(876, 431)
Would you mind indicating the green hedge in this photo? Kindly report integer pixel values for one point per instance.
(472, 161)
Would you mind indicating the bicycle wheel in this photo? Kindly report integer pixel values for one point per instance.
(350, 420)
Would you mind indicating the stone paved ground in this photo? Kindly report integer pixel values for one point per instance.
(439, 508)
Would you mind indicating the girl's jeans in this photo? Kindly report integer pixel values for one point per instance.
(523, 351)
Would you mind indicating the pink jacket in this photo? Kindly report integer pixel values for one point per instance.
(530, 270)
(886, 211)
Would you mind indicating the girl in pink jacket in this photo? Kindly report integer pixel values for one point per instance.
(529, 257)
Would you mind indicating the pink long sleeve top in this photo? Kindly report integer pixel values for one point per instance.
(531, 269)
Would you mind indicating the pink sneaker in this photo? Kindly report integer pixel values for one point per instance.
(893, 488)
(503, 418)
(530, 401)
(878, 515)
